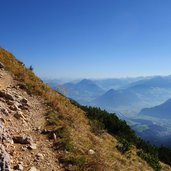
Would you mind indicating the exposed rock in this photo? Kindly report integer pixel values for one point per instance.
(2, 132)
(54, 136)
(4, 159)
(19, 115)
(6, 95)
(9, 97)
(33, 147)
(2, 100)
(91, 152)
(24, 148)
(23, 140)
(2, 120)
(14, 107)
(37, 129)
(1, 65)
(18, 96)
(4, 136)
(22, 86)
(33, 169)
(24, 101)
(45, 131)
(19, 167)
(28, 125)
(40, 156)
(10, 102)
(23, 107)
(4, 110)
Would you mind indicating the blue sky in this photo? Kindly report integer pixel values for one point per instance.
(89, 38)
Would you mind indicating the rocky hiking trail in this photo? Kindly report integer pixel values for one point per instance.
(5, 80)
(22, 120)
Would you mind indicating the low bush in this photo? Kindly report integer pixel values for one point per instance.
(124, 146)
(153, 161)
(96, 127)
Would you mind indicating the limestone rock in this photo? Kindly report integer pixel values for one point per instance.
(91, 152)
(33, 147)
(19, 167)
(24, 101)
(4, 159)
(4, 110)
(33, 169)
(4, 135)
(40, 156)
(14, 107)
(54, 136)
(1, 65)
(2, 120)
(23, 107)
(6, 95)
(23, 140)
(22, 86)
(19, 115)
(10, 102)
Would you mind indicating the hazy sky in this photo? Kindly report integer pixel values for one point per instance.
(89, 38)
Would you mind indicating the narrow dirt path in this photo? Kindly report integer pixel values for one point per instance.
(5, 80)
(42, 157)
(32, 126)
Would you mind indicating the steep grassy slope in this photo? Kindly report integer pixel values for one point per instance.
(82, 150)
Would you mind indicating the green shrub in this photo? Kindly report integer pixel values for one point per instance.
(124, 146)
(164, 155)
(153, 161)
(96, 127)
(80, 162)
(73, 161)
(63, 142)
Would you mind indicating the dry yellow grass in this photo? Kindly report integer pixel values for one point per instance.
(106, 157)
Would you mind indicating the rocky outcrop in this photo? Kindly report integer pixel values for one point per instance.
(23, 140)
(33, 169)
(4, 111)
(19, 167)
(4, 156)
(6, 95)
(1, 65)
(4, 159)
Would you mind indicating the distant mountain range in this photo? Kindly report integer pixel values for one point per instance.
(157, 81)
(160, 111)
(135, 96)
(113, 100)
(127, 96)
(83, 91)
(115, 83)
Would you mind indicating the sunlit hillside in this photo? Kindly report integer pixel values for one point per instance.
(79, 142)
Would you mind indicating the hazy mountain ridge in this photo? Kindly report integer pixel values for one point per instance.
(115, 99)
(137, 95)
(161, 111)
(115, 83)
(84, 91)
(159, 81)
(129, 96)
